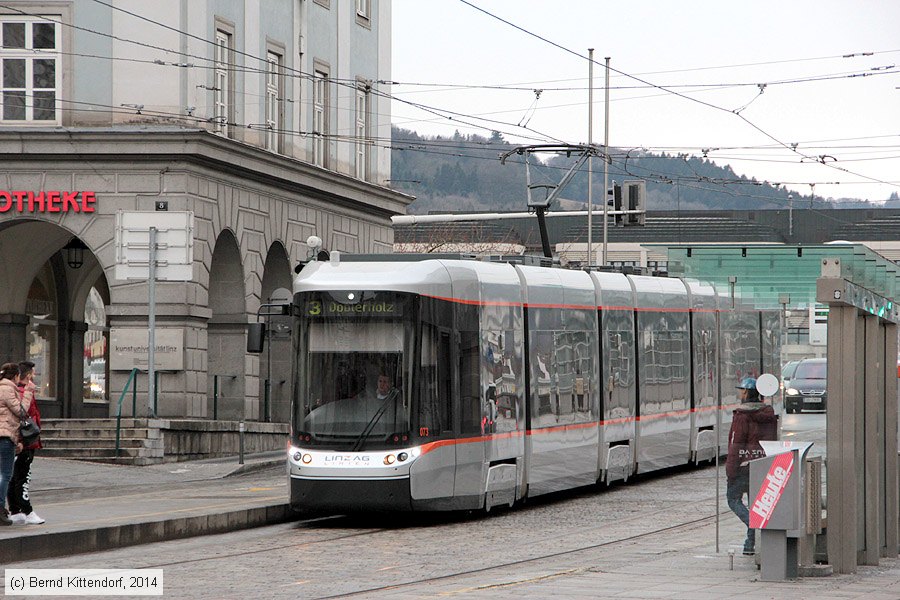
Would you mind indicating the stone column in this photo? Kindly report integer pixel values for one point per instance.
(12, 337)
(71, 376)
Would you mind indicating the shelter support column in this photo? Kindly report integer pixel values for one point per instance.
(891, 479)
(873, 441)
(844, 361)
(861, 430)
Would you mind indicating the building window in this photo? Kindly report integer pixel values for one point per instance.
(660, 266)
(797, 335)
(96, 349)
(320, 117)
(620, 264)
(29, 51)
(273, 101)
(362, 131)
(222, 84)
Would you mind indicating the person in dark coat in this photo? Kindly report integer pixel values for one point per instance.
(753, 421)
(18, 496)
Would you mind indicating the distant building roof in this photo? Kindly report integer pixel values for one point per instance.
(800, 226)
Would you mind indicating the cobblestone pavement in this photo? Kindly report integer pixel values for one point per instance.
(654, 538)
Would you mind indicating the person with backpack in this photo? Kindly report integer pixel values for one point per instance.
(20, 509)
(753, 422)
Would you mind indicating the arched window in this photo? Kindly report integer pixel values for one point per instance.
(43, 332)
(96, 342)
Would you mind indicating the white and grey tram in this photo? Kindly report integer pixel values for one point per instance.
(448, 384)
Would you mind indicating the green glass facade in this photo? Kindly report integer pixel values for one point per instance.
(765, 273)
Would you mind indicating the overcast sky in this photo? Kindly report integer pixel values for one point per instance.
(714, 53)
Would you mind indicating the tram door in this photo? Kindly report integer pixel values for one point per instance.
(470, 462)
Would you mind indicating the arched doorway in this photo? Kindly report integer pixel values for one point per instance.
(45, 278)
(227, 334)
(275, 361)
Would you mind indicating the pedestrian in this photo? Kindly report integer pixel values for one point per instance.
(11, 406)
(18, 497)
(753, 421)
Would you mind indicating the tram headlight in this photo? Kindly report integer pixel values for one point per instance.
(402, 456)
(390, 459)
(296, 457)
(306, 458)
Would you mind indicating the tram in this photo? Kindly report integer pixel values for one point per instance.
(425, 383)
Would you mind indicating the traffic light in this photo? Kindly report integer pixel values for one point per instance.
(614, 195)
(635, 193)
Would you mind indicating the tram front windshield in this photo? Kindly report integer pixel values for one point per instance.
(353, 387)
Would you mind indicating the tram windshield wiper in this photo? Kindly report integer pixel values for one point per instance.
(367, 430)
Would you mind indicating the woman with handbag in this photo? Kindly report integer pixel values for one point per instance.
(18, 497)
(11, 406)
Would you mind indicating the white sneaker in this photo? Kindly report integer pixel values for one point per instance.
(17, 519)
(32, 518)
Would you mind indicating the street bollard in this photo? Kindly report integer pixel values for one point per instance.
(241, 443)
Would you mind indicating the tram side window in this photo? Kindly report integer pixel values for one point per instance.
(469, 382)
(435, 381)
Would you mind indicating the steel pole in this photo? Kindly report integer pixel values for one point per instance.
(719, 407)
(606, 168)
(151, 324)
(590, 235)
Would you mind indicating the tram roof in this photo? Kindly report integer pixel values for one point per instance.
(765, 274)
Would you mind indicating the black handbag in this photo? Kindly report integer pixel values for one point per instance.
(28, 429)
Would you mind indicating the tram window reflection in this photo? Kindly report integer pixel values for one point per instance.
(469, 383)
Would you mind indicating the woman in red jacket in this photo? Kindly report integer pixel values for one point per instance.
(20, 510)
(753, 421)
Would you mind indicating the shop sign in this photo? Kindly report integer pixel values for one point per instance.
(129, 349)
(23, 201)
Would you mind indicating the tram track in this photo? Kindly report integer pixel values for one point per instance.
(506, 565)
(275, 548)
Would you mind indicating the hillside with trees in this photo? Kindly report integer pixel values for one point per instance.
(463, 173)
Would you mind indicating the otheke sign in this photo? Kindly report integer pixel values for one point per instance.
(46, 202)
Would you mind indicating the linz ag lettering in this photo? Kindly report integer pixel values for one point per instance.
(345, 458)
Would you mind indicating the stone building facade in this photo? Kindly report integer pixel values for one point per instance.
(260, 118)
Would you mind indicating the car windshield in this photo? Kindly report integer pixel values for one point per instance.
(788, 371)
(811, 370)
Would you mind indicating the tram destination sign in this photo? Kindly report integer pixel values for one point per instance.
(374, 307)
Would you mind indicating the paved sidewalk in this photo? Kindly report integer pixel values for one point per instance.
(92, 506)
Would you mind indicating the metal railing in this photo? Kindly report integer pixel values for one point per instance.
(132, 377)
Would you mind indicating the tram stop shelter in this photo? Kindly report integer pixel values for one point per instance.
(860, 288)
